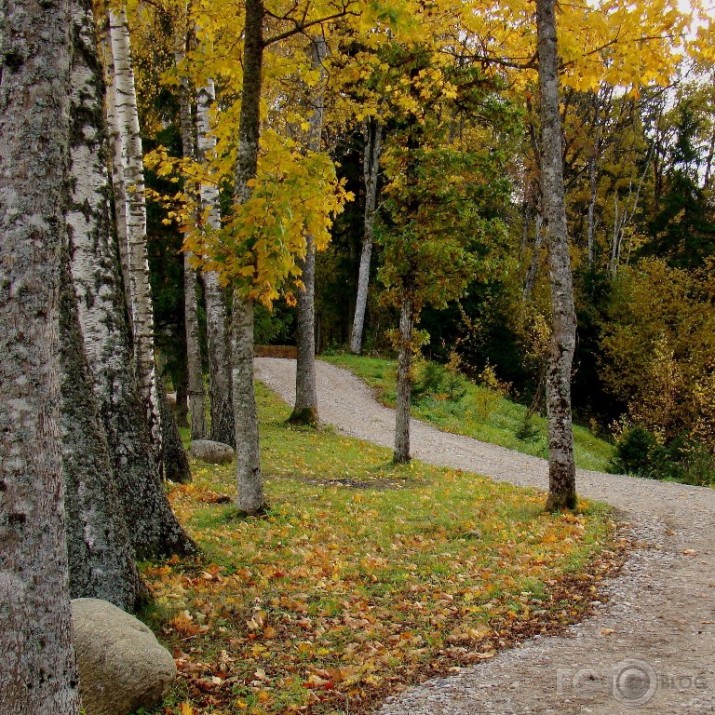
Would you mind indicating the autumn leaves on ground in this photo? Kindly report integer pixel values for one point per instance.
(362, 578)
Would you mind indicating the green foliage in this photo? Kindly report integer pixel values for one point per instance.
(639, 452)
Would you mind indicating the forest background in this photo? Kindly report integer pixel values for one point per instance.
(639, 146)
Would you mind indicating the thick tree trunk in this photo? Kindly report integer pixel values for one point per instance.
(38, 674)
(371, 170)
(101, 558)
(142, 315)
(562, 468)
(98, 283)
(251, 499)
(404, 381)
(217, 335)
(305, 410)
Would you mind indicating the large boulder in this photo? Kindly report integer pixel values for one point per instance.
(122, 666)
(212, 452)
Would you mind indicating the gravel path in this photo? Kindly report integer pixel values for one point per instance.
(651, 649)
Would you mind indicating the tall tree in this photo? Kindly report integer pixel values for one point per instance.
(97, 279)
(128, 134)
(251, 497)
(371, 170)
(217, 338)
(194, 363)
(101, 557)
(562, 467)
(38, 675)
(305, 410)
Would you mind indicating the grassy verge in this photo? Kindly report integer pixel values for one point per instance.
(362, 578)
(479, 413)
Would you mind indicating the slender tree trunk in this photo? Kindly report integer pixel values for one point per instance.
(217, 338)
(97, 279)
(117, 166)
(173, 456)
(101, 558)
(404, 381)
(562, 468)
(305, 410)
(371, 169)
(197, 397)
(142, 315)
(251, 499)
(38, 675)
(182, 399)
(533, 270)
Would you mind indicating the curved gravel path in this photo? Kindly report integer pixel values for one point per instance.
(651, 649)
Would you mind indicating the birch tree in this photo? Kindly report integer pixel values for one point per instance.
(34, 136)
(103, 317)
(196, 393)
(371, 169)
(217, 338)
(128, 135)
(562, 467)
(101, 557)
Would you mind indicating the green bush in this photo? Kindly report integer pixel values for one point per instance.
(683, 460)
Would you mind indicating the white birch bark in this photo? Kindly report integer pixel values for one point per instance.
(371, 170)
(101, 557)
(562, 467)
(305, 410)
(38, 675)
(133, 168)
(97, 280)
(217, 338)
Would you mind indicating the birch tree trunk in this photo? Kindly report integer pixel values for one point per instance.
(223, 428)
(197, 397)
(562, 468)
(371, 170)
(101, 557)
(142, 314)
(305, 410)
(38, 674)
(404, 381)
(97, 279)
(251, 498)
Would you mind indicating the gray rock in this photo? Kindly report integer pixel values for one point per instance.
(212, 452)
(122, 666)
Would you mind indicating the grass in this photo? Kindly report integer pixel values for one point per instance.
(362, 577)
(480, 413)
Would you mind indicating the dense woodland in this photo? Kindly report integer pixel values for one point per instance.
(181, 181)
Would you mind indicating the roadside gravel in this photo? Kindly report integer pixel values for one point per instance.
(650, 649)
